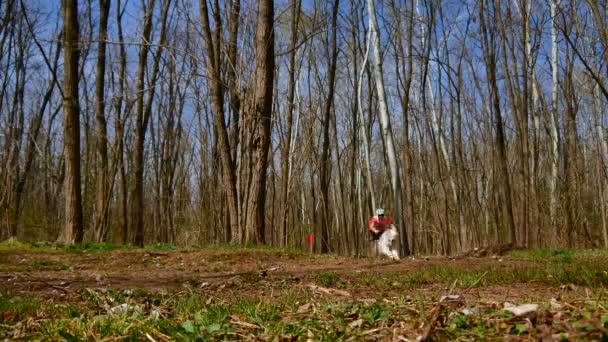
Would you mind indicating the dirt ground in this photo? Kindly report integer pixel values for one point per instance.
(230, 273)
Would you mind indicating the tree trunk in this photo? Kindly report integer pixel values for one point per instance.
(554, 152)
(217, 99)
(137, 212)
(363, 130)
(101, 209)
(489, 52)
(325, 166)
(570, 157)
(260, 121)
(387, 131)
(119, 126)
(73, 230)
(286, 150)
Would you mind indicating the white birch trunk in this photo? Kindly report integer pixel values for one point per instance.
(386, 127)
(363, 132)
(552, 124)
(599, 128)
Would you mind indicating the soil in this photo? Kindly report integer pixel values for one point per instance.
(230, 273)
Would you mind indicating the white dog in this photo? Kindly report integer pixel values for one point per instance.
(385, 243)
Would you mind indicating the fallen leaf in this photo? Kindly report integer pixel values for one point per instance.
(521, 309)
(356, 323)
(324, 290)
(367, 301)
(155, 314)
(304, 308)
(555, 305)
(451, 298)
(466, 312)
(122, 308)
(235, 320)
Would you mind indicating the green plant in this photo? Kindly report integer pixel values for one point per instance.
(93, 247)
(162, 247)
(327, 278)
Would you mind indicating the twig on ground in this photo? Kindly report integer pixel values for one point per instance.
(475, 282)
(452, 287)
(46, 283)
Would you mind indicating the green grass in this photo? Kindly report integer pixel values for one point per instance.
(184, 316)
(249, 246)
(16, 307)
(582, 273)
(401, 304)
(86, 247)
(94, 247)
(40, 264)
(17, 245)
(327, 278)
(564, 255)
(162, 247)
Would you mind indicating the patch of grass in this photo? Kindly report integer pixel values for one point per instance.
(291, 251)
(257, 312)
(327, 278)
(219, 267)
(162, 247)
(40, 264)
(562, 255)
(251, 277)
(45, 244)
(396, 281)
(16, 307)
(14, 244)
(578, 272)
(565, 255)
(293, 315)
(374, 312)
(223, 246)
(94, 247)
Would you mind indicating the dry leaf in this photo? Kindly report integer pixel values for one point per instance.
(356, 323)
(521, 309)
(304, 308)
(337, 292)
(451, 298)
(555, 305)
(122, 308)
(367, 301)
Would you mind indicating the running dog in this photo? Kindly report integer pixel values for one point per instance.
(385, 243)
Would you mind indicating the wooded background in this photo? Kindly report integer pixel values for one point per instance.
(471, 122)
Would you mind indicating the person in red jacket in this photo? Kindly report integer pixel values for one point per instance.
(378, 223)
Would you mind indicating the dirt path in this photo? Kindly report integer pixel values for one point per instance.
(228, 273)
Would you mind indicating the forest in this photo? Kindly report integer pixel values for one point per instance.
(472, 122)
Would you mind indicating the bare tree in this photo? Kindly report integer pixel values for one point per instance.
(551, 119)
(143, 113)
(325, 168)
(286, 150)
(490, 58)
(387, 131)
(73, 229)
(217, 98)
(259, 121)
(102, 146)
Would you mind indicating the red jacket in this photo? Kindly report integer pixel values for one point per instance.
(379, 223)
